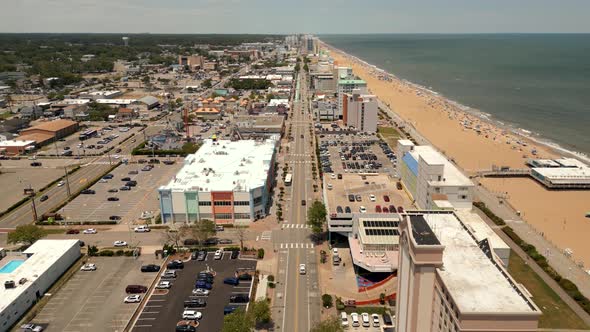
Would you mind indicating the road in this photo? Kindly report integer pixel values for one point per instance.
(297, 297)
(57, 195)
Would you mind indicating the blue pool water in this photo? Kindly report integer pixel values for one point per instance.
(11, 266)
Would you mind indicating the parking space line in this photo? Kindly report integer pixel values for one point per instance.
(149, 318)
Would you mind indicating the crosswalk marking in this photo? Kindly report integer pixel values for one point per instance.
(300, 226)
(266, 235)
(296, 245)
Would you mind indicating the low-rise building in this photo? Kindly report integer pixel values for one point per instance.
(449, 281)
(14, 147)
(207, 113)
(430, 178)
(228, 182)
(563, 173)
(106, 94)
(150, 102)
(259, 125)
(28, 275)
(48, 131)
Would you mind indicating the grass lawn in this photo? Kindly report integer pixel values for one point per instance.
(390, 135)
(556, 314)
(5, 115)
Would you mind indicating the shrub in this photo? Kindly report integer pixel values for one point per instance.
(260, 253)
(271, 278)
(327, 301)
(92, 251)
(108, 253)
(120, 252)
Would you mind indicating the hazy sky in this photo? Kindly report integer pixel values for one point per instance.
(281, 16)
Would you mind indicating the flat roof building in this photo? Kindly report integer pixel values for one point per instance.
(449, 281)
(430, 178)
(360, 111)
(564, 173)
(13, 147)
(48, 131)
(225, 181)
(28, 275)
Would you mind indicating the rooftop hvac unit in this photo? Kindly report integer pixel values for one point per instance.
(8, 284)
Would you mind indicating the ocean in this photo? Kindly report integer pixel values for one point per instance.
(538, 82)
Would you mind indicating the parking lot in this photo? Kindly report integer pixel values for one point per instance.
(19, 174)
(93, 300)
(361, 188)
(131, 203)
(359, 153)
(105, 138)
(375, 321)
(163, 310)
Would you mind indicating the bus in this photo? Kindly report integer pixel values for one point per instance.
(88, 134)
(288, 179)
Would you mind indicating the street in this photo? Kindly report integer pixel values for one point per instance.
(297, 295)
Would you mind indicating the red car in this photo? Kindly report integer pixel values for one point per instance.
(391, 208)
(378, 208)
(400, 209)
(73, 231)
(386, 198)
(385, 209)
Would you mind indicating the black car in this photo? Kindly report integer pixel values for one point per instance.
(229, 309)
(190, 242)
(339, 209)
(168, 162)
(142, 161)
(185, 326)
(175, 264)
(44, 198)
(113, 199)
(154, 161)
(125, 188)
(88, 192)
(351, 198)
(245, 276)
(118, 150)
(194, 255)
(114, 190)
(195, 303)
(347, 209)
(231, 281)
(114, 218)
(108, 176)
(303, 202)
(202, 255)
(235, 254)
(239, 298)
(210, 242)
(206, 278)
(150, 268)
(126, 179)
(387, 320)
(36, 164)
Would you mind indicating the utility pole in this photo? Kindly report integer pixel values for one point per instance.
(55, 144)
(34, 207)
(67, 181)
(110, 162)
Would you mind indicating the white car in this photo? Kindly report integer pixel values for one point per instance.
(192, 314)
(116, 156)
(60, 183)
(141, 229)
(365, 318)
(332, 176)
(354, 317)
(344, 319)
(132, 299)
(164, 285)
(372, 198)
(218, 254)
(31, 327)
(362, 209)
(89, 231)
(302, 269)
(200, 291)
(120, 244)
(88, 267)
(102, 181)
(375, 320)
(146, 215)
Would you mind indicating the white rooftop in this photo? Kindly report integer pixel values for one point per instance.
(225, 166)
(474, 282)
(277, 102)
(571, 162)
(15, 143)
(451, 175)
(564, 173)
(43, 254)
(480, 229)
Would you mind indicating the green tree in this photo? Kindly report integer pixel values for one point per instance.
(27, 234)
(203, 230)
(260, 311)
(207, 83)
(328, 325)
(237, 321)
(316, 217)
(327, 301)
(305, 67)
(297, 67)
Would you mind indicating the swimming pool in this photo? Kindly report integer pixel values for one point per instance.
(11, 266)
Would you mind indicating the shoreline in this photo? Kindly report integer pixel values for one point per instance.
(511, 127)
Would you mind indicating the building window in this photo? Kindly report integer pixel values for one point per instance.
(241, 203)
(257, 200)
(222, 203)
(223, 216)
(241, 216)
(204, 203)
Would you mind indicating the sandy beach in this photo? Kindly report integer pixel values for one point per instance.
(476, 143)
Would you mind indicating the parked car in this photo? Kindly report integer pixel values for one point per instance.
(132, 299)
(126, 179)
(150, 268)
(385, 209)
(202, 256)
(386, 198)
(88, 192)
(36, 164)
(113, 190)
(125, 188)
(31, 328)
(344, 319)
(354, 318)
(387, 321)
(224, 241)
(347, 209)
(203, 284)
(73, 231)
(108, 176)
(378, 208)
(239, 298)
(235, 254)
(175, 264)
(358, 198)
(191, 314)
(210, 241)
(219, 228)
(218, 254)
(372, 198)
(89, 231)
(88, 267)
(141, 229)
(245, 276)
(375, 319)
(168, 274)
(135, 289)
(120, 244)
(231, 281)
(133, 172)
(195, 303)
(365, 319)
(200, 292)
(61, 183)
(113, 199)
(164, 285)
(186, 326)
(114, 218)
(362, 209)
(400, 209)
(131, 183)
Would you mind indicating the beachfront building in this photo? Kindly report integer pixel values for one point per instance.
(449, 281)
(563, 173)
(347, 86)
(28, 275)
(360, 111)
(432, 180)
(228, 182)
